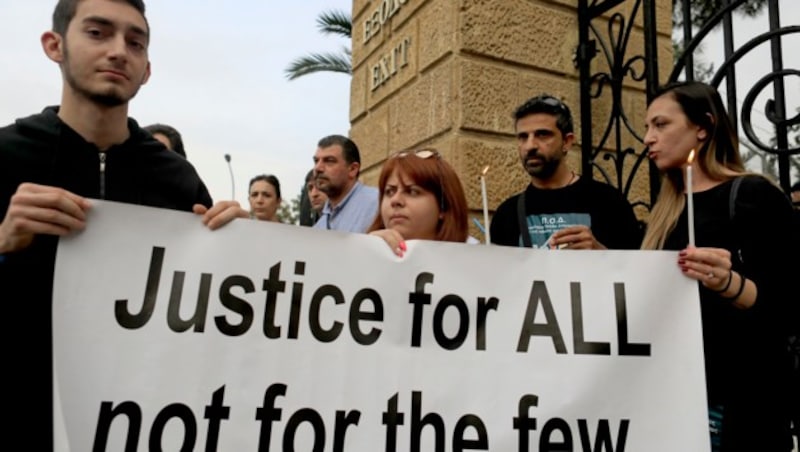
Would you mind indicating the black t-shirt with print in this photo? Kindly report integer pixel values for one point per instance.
(588, 202)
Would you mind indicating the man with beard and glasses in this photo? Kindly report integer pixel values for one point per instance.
(351, 205)
(53, 162)
(560, 209)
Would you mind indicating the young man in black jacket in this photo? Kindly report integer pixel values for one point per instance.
(52, 163)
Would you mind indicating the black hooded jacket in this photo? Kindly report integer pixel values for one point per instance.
(44, 150)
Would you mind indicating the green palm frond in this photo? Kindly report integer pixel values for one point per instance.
(320, 62)
(335, 22)
(329, 22)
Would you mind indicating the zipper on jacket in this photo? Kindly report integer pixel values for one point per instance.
(102, 175)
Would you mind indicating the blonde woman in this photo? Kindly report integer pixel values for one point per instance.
(741, 266)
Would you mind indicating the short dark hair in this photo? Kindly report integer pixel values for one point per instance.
(545, 103)
(268, 178)
(795, 186)
(349, 149)
(172, 134)
(65, 10)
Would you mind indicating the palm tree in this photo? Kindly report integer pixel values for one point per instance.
(328, 22)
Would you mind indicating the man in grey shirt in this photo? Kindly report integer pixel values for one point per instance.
(351, 205)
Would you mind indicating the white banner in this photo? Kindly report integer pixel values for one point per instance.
(271, 337)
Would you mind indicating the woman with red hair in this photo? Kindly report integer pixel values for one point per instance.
(421, 198)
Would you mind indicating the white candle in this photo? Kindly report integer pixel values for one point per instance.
(485, 204)
(689, 197)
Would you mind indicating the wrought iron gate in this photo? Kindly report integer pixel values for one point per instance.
(618, 68)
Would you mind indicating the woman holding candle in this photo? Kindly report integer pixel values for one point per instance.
(421, 197)
(744, 285)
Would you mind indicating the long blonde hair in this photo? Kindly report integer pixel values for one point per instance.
(718, 157)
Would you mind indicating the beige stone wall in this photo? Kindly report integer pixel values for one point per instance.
(449, 73)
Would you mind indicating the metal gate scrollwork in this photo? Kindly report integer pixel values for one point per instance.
(618, 66)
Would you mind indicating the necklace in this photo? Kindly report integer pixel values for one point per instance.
(549, 184)
(571, 180)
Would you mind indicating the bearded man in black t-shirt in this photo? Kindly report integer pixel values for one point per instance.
(560, 208)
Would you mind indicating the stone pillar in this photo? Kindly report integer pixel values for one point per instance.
(449, 74)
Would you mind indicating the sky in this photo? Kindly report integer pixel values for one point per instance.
(218, 77)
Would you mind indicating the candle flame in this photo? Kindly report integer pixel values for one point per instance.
(485, 170)
(690, 159)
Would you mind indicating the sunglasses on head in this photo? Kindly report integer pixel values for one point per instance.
(420, 153)
(549, 101)
(426, 153)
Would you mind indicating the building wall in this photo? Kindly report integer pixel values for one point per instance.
(449, 74)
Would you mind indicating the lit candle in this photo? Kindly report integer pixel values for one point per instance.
(689, 197)
(485, 204)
